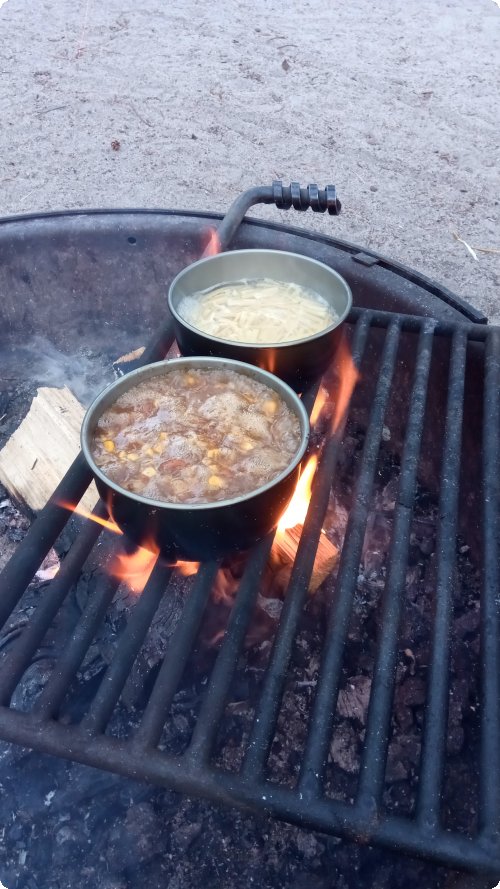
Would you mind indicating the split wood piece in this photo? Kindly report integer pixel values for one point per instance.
(42, 449)
(125, 363)
(285, 547)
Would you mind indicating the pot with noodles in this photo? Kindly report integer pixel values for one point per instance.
(197, 457)
(280, 311)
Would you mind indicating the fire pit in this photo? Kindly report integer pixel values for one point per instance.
(365, 706)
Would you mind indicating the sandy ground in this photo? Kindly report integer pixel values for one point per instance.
(396, 102)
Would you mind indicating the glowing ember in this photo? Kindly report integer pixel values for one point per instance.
(135, 569)
(348, 376)
(216, 639)
(80, 510)
(224, 588)
(296, 512)
(213, 244)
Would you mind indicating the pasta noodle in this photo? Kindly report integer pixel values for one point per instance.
(259, 311)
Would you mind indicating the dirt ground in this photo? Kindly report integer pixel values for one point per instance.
(185, 104)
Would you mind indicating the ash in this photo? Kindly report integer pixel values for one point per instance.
(64, 824)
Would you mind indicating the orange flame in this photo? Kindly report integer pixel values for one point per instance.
(186, 568)
(135, 568)
(268, 360)
(296, 511)
(80, 510)
(213, 244)
(348, 375)
(321, 399)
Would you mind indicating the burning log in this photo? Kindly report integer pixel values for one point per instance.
(42, 449)
(285, 548)
(290, 526)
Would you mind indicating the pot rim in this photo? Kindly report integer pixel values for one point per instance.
(216, 339)
(239, 366)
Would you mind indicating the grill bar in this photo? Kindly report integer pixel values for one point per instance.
(434, 739)
(325, 702)
(127, 650)
(372, 772)
(149, 732)
(489, 789)
(54, 692)
(43, 533)
(267, 712)
(220, 681)
(330, 816)
(22, 653)
(476, 333)
(213, 705)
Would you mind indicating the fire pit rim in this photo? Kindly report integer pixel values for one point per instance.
(117, 387)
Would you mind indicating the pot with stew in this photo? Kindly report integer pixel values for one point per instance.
(277, 310)
(198, 457)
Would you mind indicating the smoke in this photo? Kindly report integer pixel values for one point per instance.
(40, 363)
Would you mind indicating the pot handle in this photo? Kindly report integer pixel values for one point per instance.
(320, 200)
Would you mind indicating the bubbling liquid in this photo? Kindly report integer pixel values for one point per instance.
(260, 311)
(196, 436)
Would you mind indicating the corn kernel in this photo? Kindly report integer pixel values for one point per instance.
(270, 408)
(158, 449)
(133, 457)
(213, 452)
(149, 471)
(215, 481)
(149, 452)
(109, 445)
(163, 436)
(247, 445)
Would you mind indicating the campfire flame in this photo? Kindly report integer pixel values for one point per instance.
(80, 510)
(186, 568)
(331, 406)
(135, 568)
(296, 511)
(319, 404)
(268, 360)
(213, 244)
(348, 376)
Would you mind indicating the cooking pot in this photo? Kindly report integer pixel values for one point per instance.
(298, 362)
(196, 531)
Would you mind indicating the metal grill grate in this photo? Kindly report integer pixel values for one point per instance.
(194, 771)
